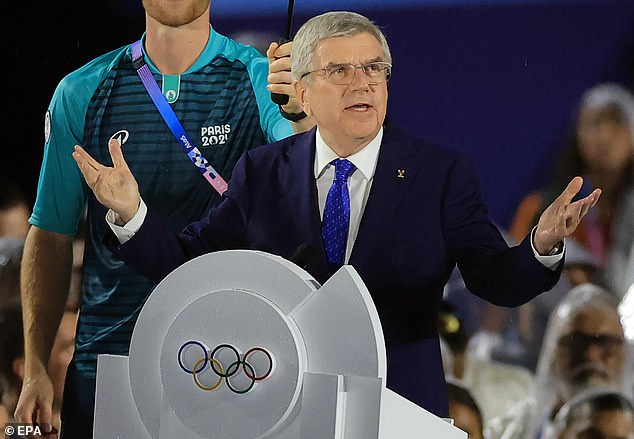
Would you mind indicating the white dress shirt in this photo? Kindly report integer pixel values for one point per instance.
(359, 182)
(359, 185)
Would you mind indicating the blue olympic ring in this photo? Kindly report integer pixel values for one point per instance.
(217, 367)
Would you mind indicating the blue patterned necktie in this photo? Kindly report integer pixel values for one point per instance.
(337, 213)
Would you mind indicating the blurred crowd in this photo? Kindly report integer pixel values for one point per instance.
(14, 215)
(561, 365)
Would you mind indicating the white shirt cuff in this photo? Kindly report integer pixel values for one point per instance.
(551, 262)
(127, 231)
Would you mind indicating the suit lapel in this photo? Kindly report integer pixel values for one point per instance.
(391, 179)
(300, 192)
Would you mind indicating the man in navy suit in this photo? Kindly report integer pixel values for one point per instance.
(410, 210)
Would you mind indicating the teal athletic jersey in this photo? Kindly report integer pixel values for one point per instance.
(224, 106)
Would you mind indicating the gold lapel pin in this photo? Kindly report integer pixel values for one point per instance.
(400, 173)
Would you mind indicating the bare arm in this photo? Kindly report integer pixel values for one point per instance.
(45, 280)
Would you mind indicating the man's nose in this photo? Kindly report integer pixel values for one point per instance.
(359, 79)
(594, 353)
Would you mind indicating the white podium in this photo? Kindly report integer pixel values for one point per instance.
(246, 345)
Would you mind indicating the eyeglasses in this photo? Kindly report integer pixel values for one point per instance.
(343, 74)
(594, 433)
(578, 342)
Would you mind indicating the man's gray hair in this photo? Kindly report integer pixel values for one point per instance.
(330, 25)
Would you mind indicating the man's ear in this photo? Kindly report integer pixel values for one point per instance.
(18, 367)
(302, 93)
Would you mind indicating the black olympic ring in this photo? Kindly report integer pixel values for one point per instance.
(217, 367)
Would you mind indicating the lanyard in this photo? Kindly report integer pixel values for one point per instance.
(192, 151)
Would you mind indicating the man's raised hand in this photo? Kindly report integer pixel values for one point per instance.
(561, 218)
(115, 187)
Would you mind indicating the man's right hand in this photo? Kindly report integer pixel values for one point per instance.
(35, 405)
(115, 187)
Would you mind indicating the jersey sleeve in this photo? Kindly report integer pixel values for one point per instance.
(61, 191)
(274, 126)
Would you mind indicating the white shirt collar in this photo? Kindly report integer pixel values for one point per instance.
(364, 160)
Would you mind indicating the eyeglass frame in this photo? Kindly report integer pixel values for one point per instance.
(608, 343)
(328, 73)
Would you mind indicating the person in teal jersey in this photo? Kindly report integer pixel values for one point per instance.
(218, 89)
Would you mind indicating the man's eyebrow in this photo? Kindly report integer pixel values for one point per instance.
(335, 64)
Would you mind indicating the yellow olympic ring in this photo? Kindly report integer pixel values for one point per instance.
(195, 375)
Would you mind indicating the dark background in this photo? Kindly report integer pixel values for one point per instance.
(497, 79)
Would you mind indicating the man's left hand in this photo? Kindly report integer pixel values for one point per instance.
(562, 217)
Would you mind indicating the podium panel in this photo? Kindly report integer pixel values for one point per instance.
(245, 344)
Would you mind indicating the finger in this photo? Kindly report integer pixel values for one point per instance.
(45, 416)
(54, 434)
(285, 89)
(284, 50)
(596, 194)
(87, 158)
(90, 174)
(572, 217)
(114, 147)
(280, 65)
(571, 190)
(573, 210)
(590, 201)
(284, 77)
(270, 52)
(585, 207)
(24, 412)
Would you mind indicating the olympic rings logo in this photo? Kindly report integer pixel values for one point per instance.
(229, 373)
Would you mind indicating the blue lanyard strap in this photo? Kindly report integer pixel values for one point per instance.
(192, 151)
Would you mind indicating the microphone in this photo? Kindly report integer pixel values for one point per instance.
(305, 255)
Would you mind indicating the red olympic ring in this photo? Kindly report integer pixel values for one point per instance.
(216, 366)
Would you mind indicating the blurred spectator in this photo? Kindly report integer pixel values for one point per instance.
(626, 309)
(483, 378)
(14, 211)
(602, 151)
(10, 257)
(595, 414)
(464, 410)
(627, 304)
(583, 348)
(580, 267)
(11, 332)
(4, 415)
(629, 272)
(12, 356)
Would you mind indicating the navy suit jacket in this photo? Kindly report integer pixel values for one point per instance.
(423, 216)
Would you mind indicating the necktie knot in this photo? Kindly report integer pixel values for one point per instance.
(343, 169)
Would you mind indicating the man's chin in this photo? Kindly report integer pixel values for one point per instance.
(585, 377)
